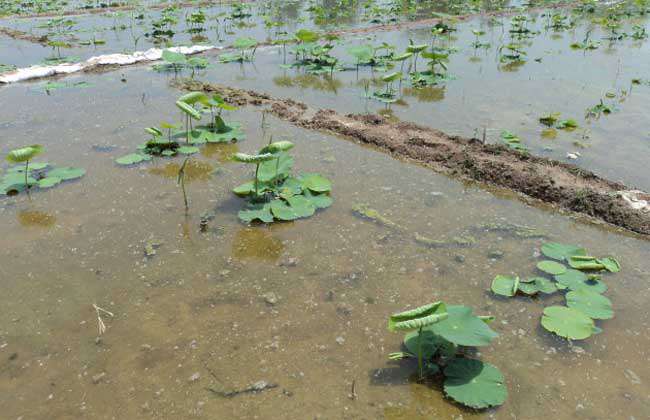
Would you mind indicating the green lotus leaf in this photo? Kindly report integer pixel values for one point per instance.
(231, 133)
(194, 97)
(278, 167)
(278, 146)
(534, 285)
(132, 158)
(590, 303)
(33, 166)
(260, 212)
(282, 210)
(320, 201)
(245, 189)
(188, 150)
(403, 56)
(505, 285)
(463, 328)
(391, 77)
(305, 35)
(246, 158)
(66, 173)
(49, 182)
(363, 53)
(301, 206)
(551, 267)
(24, 154)
(561, 252)
(188, 110)
(576, 280)
(173, 57)
(153, 131)
(168, 152)
(610, 263)
(316, 183)
(567, 322)
(416, 48)
(290, 187)
(585, 263)
(414, 319)
(474, 383)
(432, 344)
(244, 43)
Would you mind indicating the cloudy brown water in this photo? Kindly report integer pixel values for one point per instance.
(300, 305)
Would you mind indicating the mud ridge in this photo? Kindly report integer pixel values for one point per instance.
(560, 184)
(24, 36)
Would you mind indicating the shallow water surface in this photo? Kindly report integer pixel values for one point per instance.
(300, 305)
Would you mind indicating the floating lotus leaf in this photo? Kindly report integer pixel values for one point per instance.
(474, 383)
(610, 263)
(305, 35)
(49, 182)
(363, 53)
(534, 285)
(505, 285)
(432, 344)
(244, 43)
(188, 150)
(15, 182)
(24, 153)
(33, 166)
(320, 201)
(567, 322)
(316, 183)
(576, 280)
(260, 212)
(132, 158)
(586, 263)
(245, 189)
(551, 267)
(414, 319)
(301, 206)
(590, 303)
(463, 328)
(561, 252)
(290, 187)
(173, 57)
(282, 211)
(416, 48)
(66, 173)
(231, 132)
(403, 56)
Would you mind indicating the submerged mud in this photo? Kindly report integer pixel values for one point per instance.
(560, 184)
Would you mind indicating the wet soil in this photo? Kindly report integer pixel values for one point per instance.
(563, 185)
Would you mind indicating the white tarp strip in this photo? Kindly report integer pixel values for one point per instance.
(152, 54)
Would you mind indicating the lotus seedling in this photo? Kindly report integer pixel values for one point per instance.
(415, 320)
(257, 160)
(25, 154)
(415, 49)
(191, 113)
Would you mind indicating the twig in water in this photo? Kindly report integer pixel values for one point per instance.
(353, 390)
(100, 321)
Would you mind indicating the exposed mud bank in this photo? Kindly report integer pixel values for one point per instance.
(24, 36)
(563, 185)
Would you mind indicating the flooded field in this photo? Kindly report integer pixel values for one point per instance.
(119, 302)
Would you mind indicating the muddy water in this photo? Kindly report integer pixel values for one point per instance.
(486, 95)
(194, 320)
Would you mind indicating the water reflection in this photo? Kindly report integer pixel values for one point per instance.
(426, 94)
(257, 243)
(324, 83)
(35, 218)
(221, 151)
(194, 170)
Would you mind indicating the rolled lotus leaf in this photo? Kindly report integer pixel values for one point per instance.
(246, 158)
(153, 131)
(24, 153)
(392, 76)
(414, 319)
(188, 109)
(403, 57)
(277, 146)
(194, 97)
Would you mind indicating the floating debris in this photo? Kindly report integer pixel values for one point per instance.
(454, 242)
(363, 210)
(258, 386)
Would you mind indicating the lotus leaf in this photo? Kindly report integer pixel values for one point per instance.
(282, 211)
(610, 263)
(534, 285)
(187, 150)
(277, 167)
(463, 328)
(320, 201)
(49, 182)
(474, 383)
(316, 183)
(188, 110)
(417, 318)
(590, 303)
(432, 344)
(505, 285)
(132, 158)
(561, 252)
(260, 212)
(551, 267)
(567, 322)
(301, 206)
(24, 153)
(66, 173)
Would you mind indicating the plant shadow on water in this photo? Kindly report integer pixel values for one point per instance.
(195, 170)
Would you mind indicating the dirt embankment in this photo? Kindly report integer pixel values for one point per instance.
(561, 184)
(24, 36)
